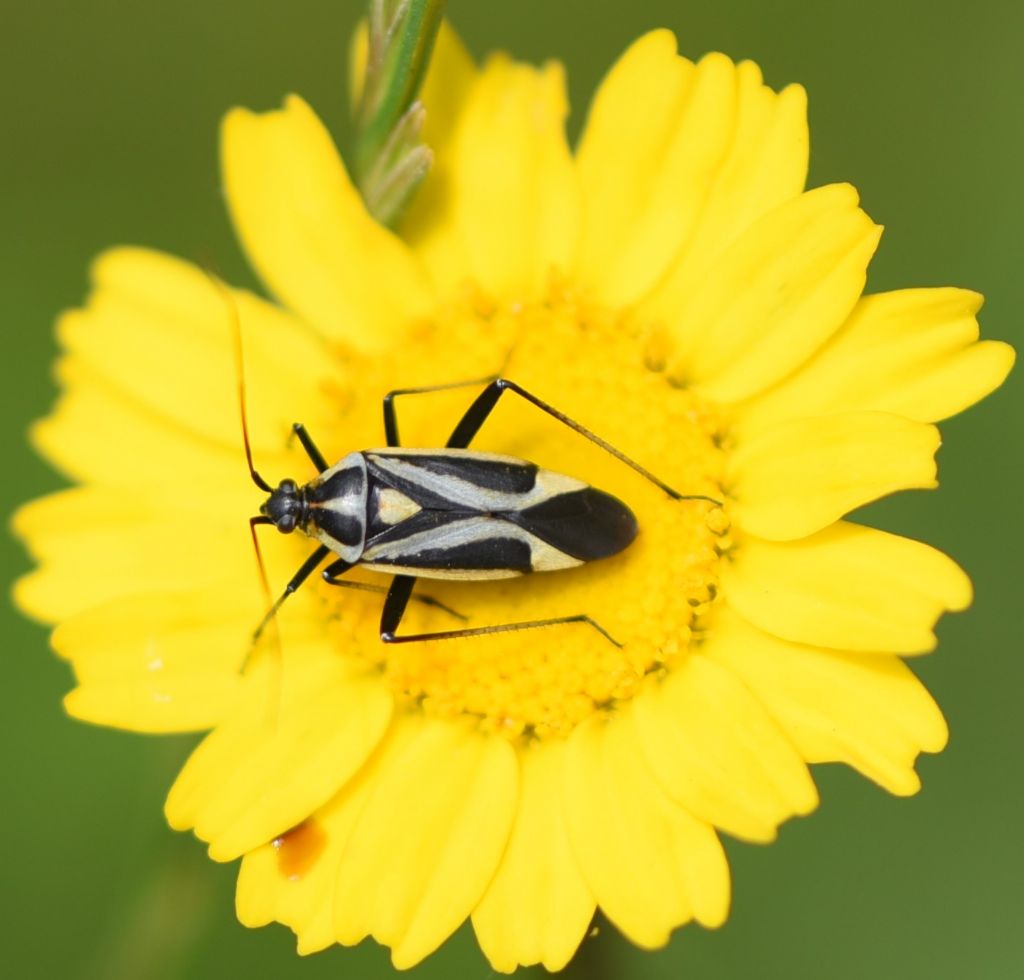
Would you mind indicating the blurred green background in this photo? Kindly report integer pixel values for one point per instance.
(110, 122)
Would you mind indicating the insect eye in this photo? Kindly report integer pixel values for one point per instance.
(288, 486)
(286, 523)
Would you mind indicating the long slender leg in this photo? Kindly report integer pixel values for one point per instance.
(311, 451)
(401, 591)
(307, 568)
(331, 576)
(390, 416)
(478, 412)
(398, 599)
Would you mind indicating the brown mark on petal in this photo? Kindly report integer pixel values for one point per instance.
(298, 849)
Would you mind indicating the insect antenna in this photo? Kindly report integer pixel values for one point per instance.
(236, 325)
(264, 581)
(236, 328)
(240, 363)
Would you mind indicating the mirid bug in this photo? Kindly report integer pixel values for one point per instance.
(449, 513)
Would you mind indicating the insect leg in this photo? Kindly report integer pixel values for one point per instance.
(394, 606)
(478, 412)
(311, 451)
(391, 418)
(331, 576)
(392, 616)
(307, 569)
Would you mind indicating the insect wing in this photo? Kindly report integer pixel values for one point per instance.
(586, 524)
(462, 514)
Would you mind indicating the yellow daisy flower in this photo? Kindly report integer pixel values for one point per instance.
(671, 285)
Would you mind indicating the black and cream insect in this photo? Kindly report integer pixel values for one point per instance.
(450, 513)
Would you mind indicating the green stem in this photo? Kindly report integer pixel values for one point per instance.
(401, 40)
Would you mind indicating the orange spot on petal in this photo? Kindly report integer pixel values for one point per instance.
(298, 849)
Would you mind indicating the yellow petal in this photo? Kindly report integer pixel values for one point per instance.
(163, 634)
(293, 879)
(95, 544)
(797, 477)
(159, 662)
(98, 435)
(256, 890)
(226, 747)
(282, 754)
(429, 224)
(718, 753)
(164, 334)
(849, 587)
(312, 752)
(775, 296)
(174, 704)
(167, 662)
(655, 136)
(913, 352)
(308, 234)
(676, 160)
(869, 712)
(650, 864)
(515, 198)
(538, 907)
(764, 166)
(429, 839)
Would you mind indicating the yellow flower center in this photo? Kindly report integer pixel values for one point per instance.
(599, 369)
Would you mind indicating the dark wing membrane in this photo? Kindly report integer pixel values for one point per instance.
(586, 524)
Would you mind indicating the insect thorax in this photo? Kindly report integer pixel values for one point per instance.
(337, 507)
